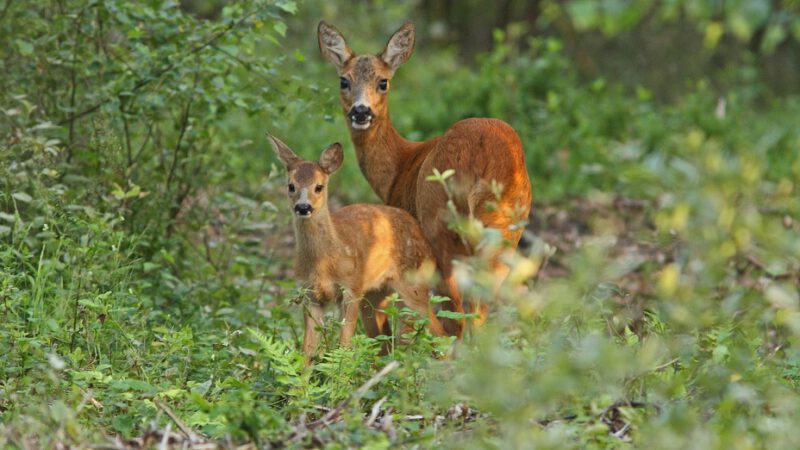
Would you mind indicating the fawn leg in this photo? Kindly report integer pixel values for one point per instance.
(313, 320)
(350, 310)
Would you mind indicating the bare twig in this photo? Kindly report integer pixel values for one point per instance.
(621, 432)
(76, 308)
(246, 64)
(126, 131)
(73, 85)
(666, 364)
(327, 418)
(165, 437)
(194, 437)
(184, 127)
(376, 409)
(141, 149)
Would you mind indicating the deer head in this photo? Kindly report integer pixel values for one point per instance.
(308, 180)
(364, 79)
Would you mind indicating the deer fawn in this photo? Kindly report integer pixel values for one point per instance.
(358, 248)
(480, 151)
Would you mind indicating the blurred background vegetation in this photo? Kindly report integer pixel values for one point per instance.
(146, 254)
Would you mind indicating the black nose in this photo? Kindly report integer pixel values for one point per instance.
(303, 209)
(360, 113)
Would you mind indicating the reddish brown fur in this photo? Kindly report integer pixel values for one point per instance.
(359, 248)
(479, 150)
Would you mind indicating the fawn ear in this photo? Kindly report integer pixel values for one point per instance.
(331, 158)
(332, 45)
(400, 46)
(285, 154)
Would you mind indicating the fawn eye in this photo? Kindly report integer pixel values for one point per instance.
(291, 187)
(383, 85)
(344, 83)
(318, 189)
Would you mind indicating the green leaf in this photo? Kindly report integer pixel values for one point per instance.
(714, 32)
(280, 28)
(287, 5)
(22, 196)
(123, 424)
(774, 36)
(133, 385)
(456, 315)
(25, 48)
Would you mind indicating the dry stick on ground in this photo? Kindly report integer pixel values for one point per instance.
(332, 416)
(193, 437)
(376, 409)
(329, 417)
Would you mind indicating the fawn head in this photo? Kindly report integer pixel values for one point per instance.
(308, 180)
(364, 79)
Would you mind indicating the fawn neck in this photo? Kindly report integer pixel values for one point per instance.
(382, 155)
(315, 239)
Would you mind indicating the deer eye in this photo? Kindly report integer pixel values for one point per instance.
(291, 187)
(318, 189)
(344, 83)
(383, 85)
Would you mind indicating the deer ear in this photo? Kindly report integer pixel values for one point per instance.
(331, 158)
(332, 45)
(285, 154)
(400, 46)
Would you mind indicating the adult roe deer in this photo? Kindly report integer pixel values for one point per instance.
(358, 248)
(480, 151)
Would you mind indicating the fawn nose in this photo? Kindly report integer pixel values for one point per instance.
(360, 113)
(303, 209)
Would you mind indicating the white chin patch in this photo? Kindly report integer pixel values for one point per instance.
(360, 126)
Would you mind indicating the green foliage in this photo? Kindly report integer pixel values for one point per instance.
(145, 248)
(740, 19)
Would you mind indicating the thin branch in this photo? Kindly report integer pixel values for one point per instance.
(327, 418)
(144, 142)
(184, 127)
(246, 64)
(376, 409)
(665, 365)
(159, 73)
(76, 309)
(126, 131)
(73, 85)
(193, 437)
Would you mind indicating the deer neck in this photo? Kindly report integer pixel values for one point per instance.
(382, 155)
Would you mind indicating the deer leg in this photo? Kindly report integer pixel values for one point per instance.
(454, 327)
(350, 310)
(445, 245)
(416, 297)
(313, 321)
(375, 321)
(481, 307)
